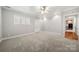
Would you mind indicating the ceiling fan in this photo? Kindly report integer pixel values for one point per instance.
(44, 9)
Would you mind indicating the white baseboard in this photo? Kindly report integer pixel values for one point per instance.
(15, 36)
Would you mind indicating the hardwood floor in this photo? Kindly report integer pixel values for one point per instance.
(71, 35)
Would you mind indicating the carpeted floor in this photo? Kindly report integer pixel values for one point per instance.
(38, 42)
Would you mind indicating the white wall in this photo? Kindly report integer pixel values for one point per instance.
(11, 29)
(0, 23)
(54, 24)
(78, 25)
(57, 23)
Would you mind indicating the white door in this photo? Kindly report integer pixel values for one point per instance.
(37, 26)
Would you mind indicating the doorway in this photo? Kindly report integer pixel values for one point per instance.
(70, 27)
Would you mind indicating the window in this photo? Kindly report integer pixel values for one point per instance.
(21, 20)
(16, 19)
(28, 21)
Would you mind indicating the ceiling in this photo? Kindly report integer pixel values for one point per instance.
(35, 10)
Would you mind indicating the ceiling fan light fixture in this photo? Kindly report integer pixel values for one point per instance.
(44, 9)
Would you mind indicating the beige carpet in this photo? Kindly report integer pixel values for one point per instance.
(38, 42)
